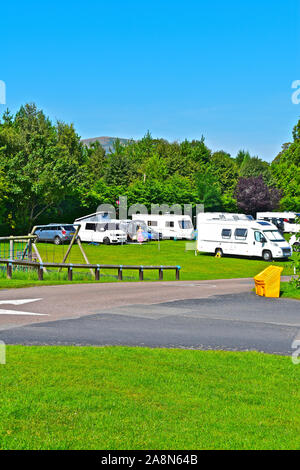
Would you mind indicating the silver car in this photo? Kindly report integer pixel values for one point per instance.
(55, 233)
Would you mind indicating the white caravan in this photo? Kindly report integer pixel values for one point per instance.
(287, 218)
(99, 228)
(241, 237)
(169, 225)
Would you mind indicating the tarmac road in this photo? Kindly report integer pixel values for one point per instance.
(220, 314)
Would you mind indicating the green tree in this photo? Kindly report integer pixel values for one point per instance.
(286, 172)
(42, 163)
(254, 166)
(209, 192)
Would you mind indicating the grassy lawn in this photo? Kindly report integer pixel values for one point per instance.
(139, 398)
(199, 267)
(288, 290)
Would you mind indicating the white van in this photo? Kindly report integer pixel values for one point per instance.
(288, 219)
(242, 237)
(169, 225)
(107, 232)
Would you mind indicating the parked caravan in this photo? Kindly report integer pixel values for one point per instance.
(241, 237)
(131, 227)
(103, 231)
(287, 219)
(169, 225)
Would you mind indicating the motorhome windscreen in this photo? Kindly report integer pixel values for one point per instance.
(274, 235)
(185, 224)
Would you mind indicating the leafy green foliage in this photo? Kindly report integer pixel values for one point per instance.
(47, 175)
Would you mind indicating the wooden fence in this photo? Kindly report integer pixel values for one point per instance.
(40, 267)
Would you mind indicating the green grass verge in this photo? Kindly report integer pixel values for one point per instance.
(139, 398)
(290, 291)
(201, 267)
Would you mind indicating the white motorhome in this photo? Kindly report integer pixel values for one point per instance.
(241, 237)
(169, 225)
(100, 228)
(203, 216)
(287, 218)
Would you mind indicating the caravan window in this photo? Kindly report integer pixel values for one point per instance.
(169, 224)
(226, 233)
(241, 233)
(185, 224)
(90, 227)
(152, 223)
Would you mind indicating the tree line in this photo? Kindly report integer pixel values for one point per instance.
(48, 175)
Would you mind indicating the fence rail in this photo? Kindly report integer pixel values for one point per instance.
(96, 267)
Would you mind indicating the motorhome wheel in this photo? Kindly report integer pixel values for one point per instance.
(267, 255)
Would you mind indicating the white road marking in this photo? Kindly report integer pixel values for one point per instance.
(16, 312)
(17, 302)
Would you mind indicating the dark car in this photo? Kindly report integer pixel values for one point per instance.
(56, 233)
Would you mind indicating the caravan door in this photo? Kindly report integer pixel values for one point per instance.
(259, 242)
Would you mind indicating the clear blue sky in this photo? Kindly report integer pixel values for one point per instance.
(181, 69)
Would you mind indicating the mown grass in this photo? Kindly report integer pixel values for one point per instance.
(139, 398)
(201, 267)
(289, 290)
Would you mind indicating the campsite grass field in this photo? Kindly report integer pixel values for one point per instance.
(168, 252)
(138, 398)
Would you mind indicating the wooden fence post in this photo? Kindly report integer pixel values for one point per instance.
(40, 272)
(11, 248)
(9, 270)
(70, 273)
(29, 250)
(97, 273)
(120, 273)
(141, 273)
(178, 273)
(161, 273)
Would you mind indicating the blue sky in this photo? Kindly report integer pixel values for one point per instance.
(181, 69)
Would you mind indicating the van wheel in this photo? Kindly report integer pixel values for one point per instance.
(267, 255)
(219, 252)
(57, 241)
(296, 247)
(106, 241)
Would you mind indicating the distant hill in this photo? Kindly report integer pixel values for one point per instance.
(106, 142)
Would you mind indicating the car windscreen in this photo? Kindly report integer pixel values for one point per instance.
(274, 235)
